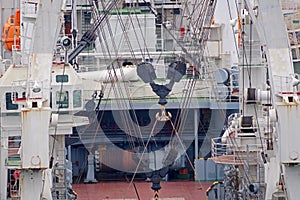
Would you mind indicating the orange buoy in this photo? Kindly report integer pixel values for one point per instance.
(11, 32)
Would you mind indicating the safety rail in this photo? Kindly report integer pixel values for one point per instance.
(289, 5)
(232, 152)
(13, 160)
(13, 184)
(17, 57)
(284, 83)
(30, 8)
(36, 91)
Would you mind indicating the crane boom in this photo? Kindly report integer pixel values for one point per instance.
(90, 36)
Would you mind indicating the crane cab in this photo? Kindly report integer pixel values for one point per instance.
(65, 93)
(66, 88)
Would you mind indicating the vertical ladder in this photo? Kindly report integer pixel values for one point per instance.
(59, 174)
(29, 11)
(14, 188)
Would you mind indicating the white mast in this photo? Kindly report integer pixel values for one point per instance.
(265, 134)
(285, 158)
(41, 25)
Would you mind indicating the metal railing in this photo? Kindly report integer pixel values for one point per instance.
(231, 152)
(13, 147)
(283, 83)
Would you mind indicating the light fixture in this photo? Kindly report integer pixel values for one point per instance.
(295, 81)
(24, 85)
(36, 87)
(233, 22)
(254, 188)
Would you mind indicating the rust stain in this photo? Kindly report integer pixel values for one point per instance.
(40, 163)
(25, 111)
(22, 183)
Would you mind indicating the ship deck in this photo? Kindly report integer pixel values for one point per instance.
(141, 190)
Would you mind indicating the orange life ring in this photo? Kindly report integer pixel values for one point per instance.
(11, 32)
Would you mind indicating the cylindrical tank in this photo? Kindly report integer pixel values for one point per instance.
(221, 76)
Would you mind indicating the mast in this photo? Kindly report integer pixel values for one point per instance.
(41, 25)
(261, 142)
(286, 158)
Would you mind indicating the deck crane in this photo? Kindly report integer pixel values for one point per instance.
(40, 119)
(41, 25)
(261, 143)
(284, 160)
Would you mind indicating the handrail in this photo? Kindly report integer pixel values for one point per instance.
(230, 153)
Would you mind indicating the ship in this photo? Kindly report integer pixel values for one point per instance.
(143, 109)
(88, 119)
(142, 93)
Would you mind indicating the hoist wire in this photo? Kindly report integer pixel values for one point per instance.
(121, 71)
(182, 146)
(109, 77)
(55, 128)
(202, 36)
(58, 109)
(111, 70)
(125, 33)
(174, 37)
(191, 86)
(142, 154)
(142, 35)
(137, 132)
(250, 56)
(245, 63)
(125, 28)
(184, 104)
(185, 100)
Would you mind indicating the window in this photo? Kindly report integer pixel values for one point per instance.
(62, 99)
(62, 78)
(50, 99)
(14, 142)
(87, 17)
(77, 99)
(9, 104)
(294, 54)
